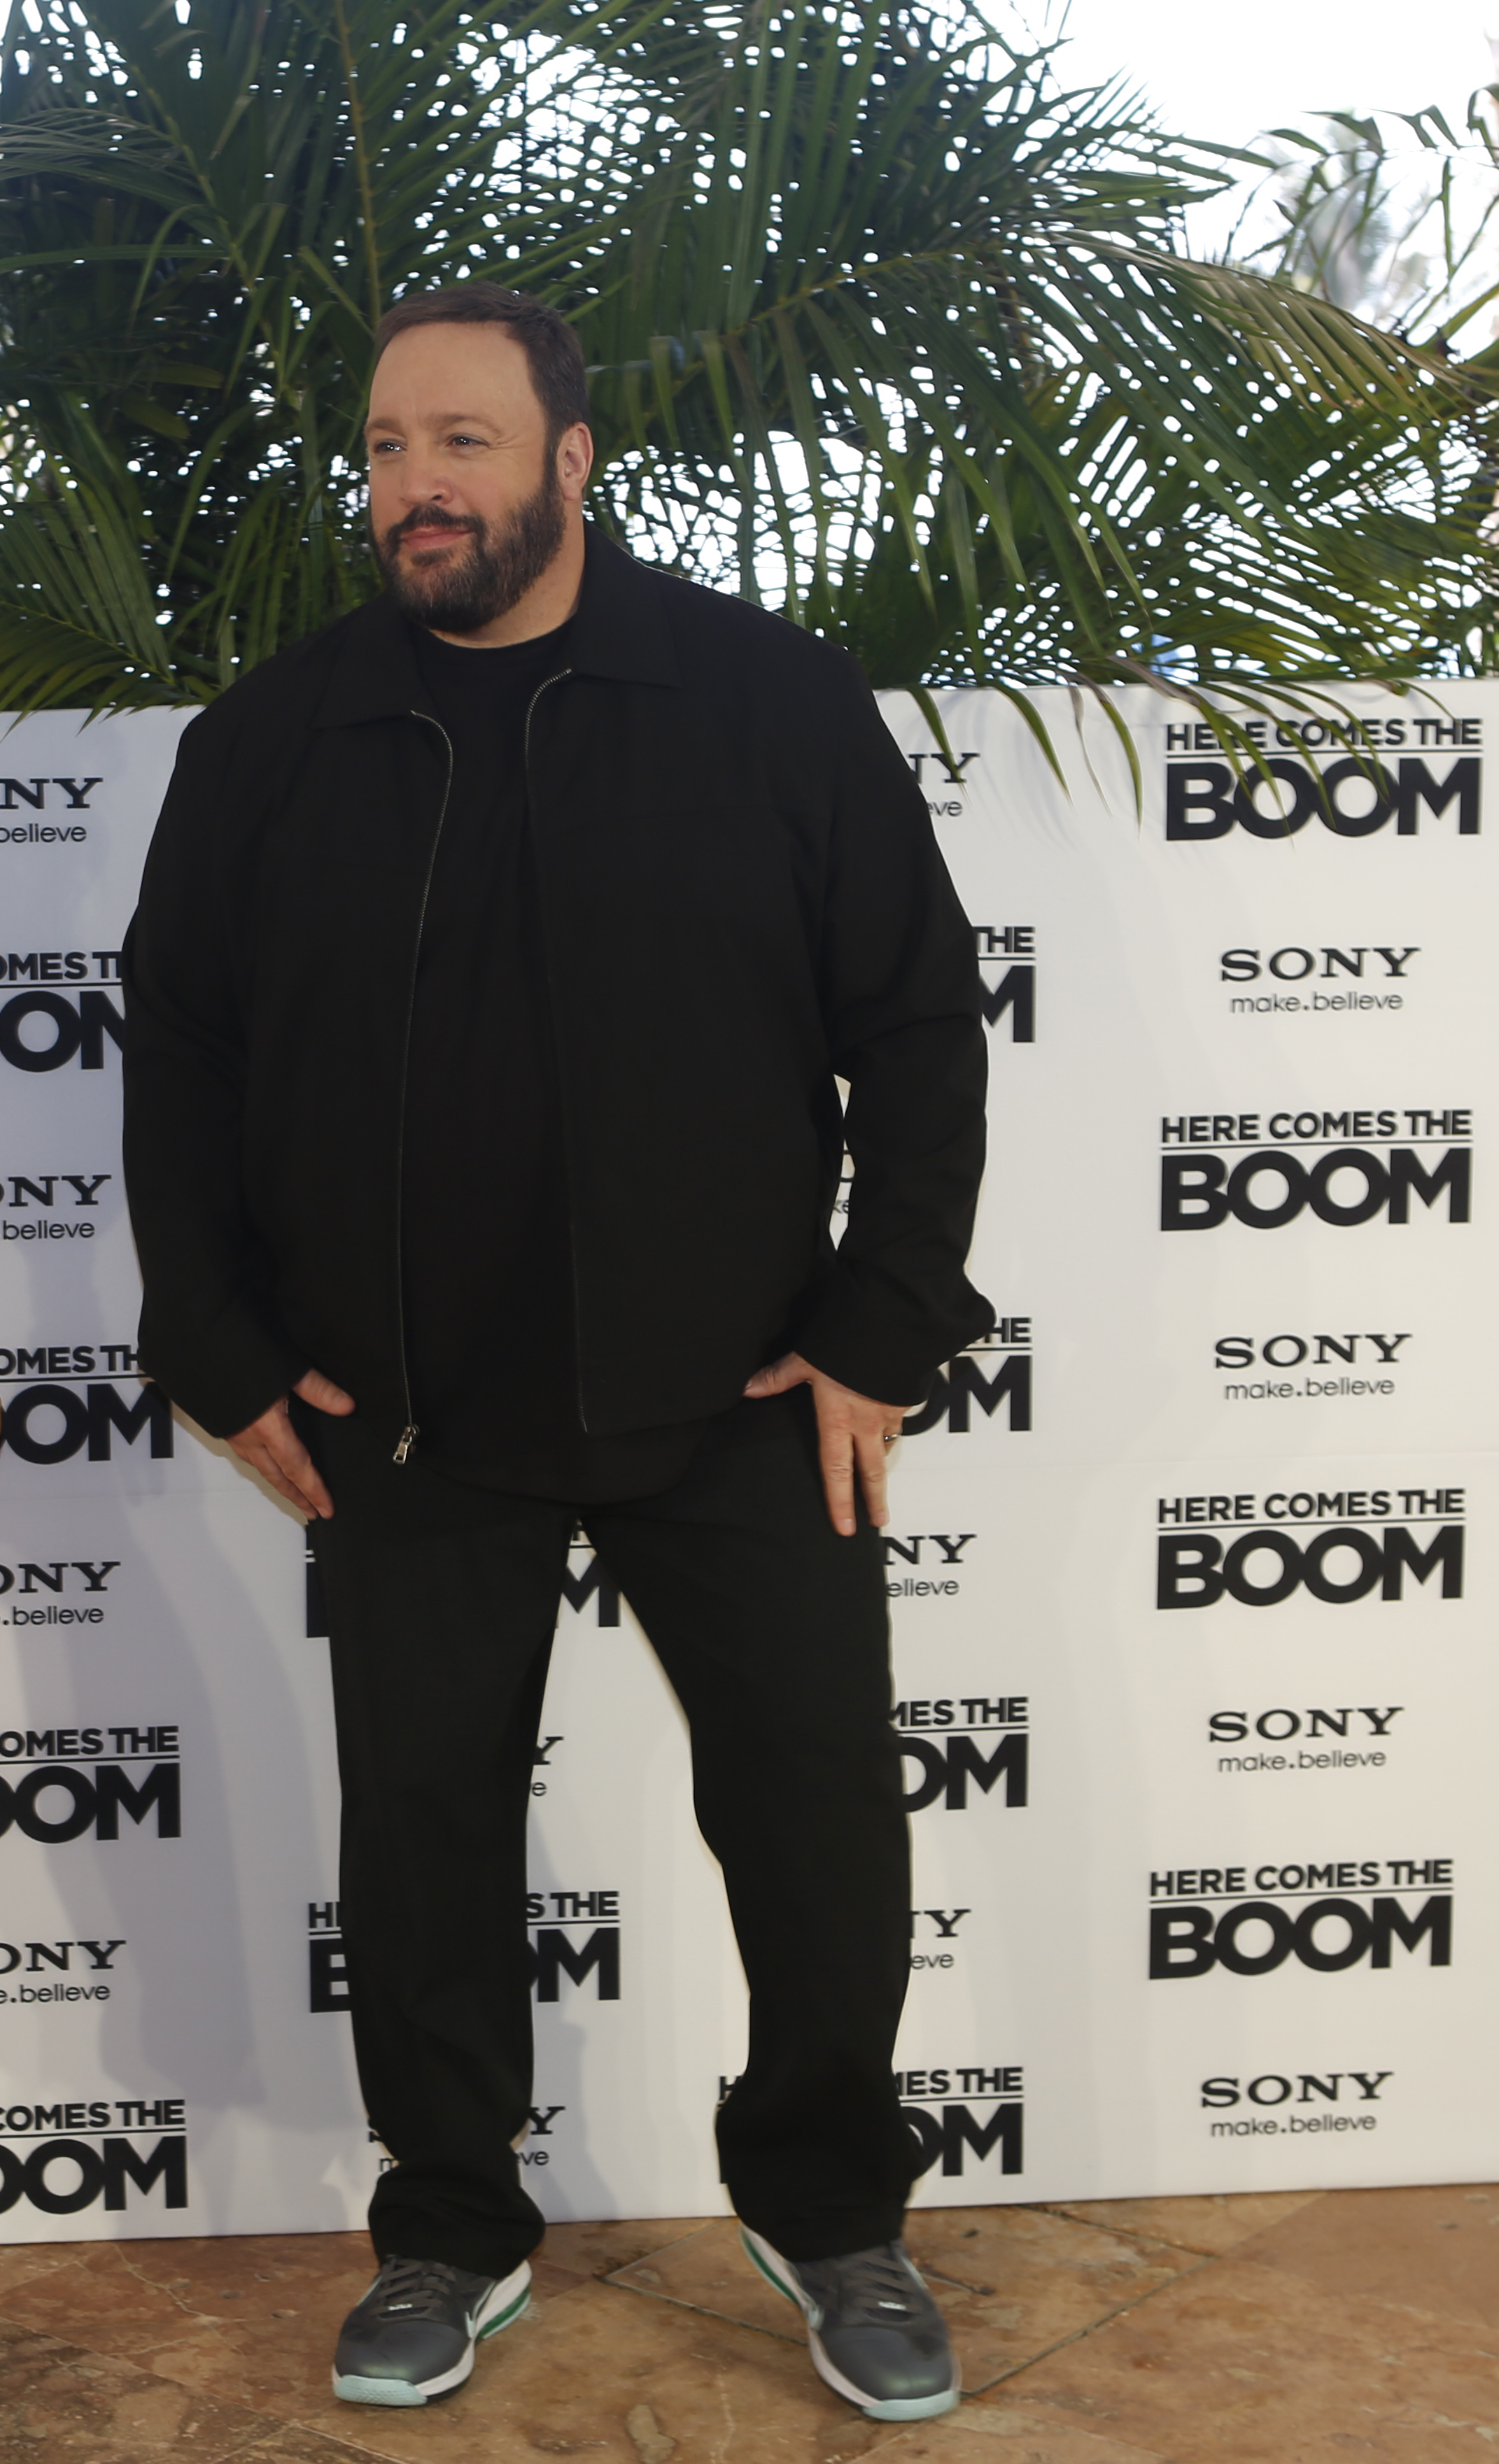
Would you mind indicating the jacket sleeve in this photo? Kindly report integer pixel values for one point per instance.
(900, 997)
(207, 1335)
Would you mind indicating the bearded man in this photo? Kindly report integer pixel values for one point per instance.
(497, 956)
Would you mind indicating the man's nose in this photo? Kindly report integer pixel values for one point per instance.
(422, 480)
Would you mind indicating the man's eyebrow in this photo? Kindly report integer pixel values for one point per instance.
(438, 419)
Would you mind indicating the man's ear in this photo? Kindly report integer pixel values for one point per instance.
(574, 461)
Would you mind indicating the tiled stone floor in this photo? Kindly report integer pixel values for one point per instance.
(1338, 2327)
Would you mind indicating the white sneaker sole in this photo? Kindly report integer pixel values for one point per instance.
(912, 2407)
(501, 2305)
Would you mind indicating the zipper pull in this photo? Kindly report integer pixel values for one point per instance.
(408, 1440)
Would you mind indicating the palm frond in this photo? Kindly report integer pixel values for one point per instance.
(888, 324)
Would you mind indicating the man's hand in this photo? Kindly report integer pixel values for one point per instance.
(852, 1430)
(272, 1446)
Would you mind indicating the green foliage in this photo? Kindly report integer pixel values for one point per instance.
(885, 325)
(1391, 214)
(202, 213)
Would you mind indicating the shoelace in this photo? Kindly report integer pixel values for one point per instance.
(871, 2288)
(418, 2288)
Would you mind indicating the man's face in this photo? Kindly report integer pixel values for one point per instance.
(467, 508)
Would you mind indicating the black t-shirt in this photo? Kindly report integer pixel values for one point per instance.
(490, 1327)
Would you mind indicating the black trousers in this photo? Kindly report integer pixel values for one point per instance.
(442, 1599)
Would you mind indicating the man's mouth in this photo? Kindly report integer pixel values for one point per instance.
(432, 535)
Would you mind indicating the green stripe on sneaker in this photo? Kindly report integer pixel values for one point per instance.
(493, 2326)
(767, 2272)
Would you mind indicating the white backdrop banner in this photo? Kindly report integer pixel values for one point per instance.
(1190, 1569)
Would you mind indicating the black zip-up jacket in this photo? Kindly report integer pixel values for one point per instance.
(742, 900)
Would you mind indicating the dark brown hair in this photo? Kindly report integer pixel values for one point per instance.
(551, 347)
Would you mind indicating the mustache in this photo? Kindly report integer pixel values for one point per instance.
(430, 518)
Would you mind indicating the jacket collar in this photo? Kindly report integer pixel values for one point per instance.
(621, 630)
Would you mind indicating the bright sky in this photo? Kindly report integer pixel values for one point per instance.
(1228, 73)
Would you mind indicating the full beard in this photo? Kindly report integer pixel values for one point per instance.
(463, 594)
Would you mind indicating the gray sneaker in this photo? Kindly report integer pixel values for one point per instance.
(876, 2335)
(412, 2336)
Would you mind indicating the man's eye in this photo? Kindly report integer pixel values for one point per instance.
(386, 445)
(465, 440)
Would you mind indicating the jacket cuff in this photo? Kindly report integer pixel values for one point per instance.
(866, 1340)
(234, 1370)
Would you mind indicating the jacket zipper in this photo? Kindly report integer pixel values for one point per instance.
(409, 1434)
(572, 1241)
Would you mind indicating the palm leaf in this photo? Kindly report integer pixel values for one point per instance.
(885, 322)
